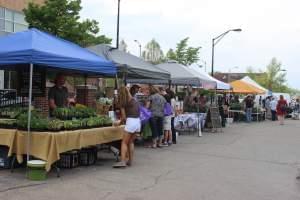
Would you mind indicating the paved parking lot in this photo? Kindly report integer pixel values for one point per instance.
(257, 161)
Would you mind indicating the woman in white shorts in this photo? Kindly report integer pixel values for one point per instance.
(130, 114)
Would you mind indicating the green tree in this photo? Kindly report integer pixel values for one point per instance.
(273, 78)
(171, 55)
(184, 54)
(61, 18)
(153, 52)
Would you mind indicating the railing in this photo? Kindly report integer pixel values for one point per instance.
(9, 98)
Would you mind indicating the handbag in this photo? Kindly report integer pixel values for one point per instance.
(145, 114)
(168, 110)
(283, 108)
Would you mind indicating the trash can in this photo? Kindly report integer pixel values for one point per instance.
(36, 170)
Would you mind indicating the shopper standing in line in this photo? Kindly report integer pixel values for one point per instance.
(169, 96)
(268, 108)
(157, 103)
(249, 106)
(273, 105)
(281, 109)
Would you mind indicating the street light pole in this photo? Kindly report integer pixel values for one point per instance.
(215, 42)
(140, 47)
(118, 25)
(212, 57)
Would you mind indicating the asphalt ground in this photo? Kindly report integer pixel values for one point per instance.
(257, 161)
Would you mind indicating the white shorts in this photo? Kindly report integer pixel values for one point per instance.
(167, 123)
(133, 125)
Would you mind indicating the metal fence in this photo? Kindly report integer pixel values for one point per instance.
(9, 98)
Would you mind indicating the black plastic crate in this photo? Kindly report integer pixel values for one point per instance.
(69, 159)
(88, 156)
(5, 161)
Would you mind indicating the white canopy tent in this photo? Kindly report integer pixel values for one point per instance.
(220, 85)
(182, 75)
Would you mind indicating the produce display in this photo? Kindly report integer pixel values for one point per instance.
(92, 122)
(70, 113)
(12, 112)
(235, 106)
(105, 100)
(8, 123)
(79, 117)
(38, 122)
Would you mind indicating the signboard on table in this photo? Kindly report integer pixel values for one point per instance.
(38, 81)
(215, 117)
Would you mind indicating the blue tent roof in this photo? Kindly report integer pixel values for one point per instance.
(37, 47)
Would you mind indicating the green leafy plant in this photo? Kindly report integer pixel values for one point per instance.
(37, 122)
(55, 125)
(235, 106)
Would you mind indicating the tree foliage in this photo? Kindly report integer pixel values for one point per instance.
(184, 54)
(61, 18)
(273, 78)
(153, 52)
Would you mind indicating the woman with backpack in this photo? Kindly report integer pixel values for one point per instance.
(281, 109)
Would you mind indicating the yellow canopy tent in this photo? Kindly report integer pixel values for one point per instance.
(242, 87)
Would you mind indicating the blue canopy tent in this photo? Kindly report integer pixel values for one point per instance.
(35, 47)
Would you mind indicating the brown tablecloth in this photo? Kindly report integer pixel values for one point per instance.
(48, 145)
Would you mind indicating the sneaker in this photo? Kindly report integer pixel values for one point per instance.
(170, 143)
(165, 144)
(121, 164)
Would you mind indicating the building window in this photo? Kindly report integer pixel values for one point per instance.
(9, 15)
(2, 25)
(2, 13)
(11, 21)
(19, 18)
(9, 26)
(20, 27)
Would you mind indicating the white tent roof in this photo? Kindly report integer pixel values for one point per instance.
(182, 75)
(220, 85)
(248, 80)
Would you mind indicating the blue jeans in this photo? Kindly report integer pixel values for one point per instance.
(249, 114)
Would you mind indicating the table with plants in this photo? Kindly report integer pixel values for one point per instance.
(68, 129)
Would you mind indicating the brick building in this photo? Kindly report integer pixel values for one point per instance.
(12, 20)
(229, 77)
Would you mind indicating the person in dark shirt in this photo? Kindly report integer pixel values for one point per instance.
(249, 103)
(58, 94)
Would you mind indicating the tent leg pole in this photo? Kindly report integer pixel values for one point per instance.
(115, 92)
(85, 90)
(29, 111)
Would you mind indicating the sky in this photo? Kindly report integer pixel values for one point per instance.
(270, 28)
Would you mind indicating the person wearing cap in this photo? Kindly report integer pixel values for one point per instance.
(58, 94)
